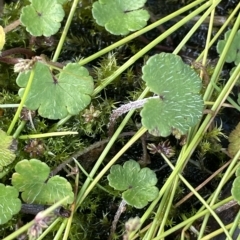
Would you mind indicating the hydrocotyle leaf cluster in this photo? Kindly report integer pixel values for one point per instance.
(120, 17)
(57, 96)
(42, 17)
(179, 104)
(138, 184)
(233, 54)
(32, 179)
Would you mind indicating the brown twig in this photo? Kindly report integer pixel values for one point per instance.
(202, 184)
(13, 51)
(9, 60)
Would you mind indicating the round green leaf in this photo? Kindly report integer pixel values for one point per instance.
(55, 98)
(42, 17)
(7, 149)
(32, 179)
(178, 104)
(10, 204)
(120, 17)
(138, 184)
(233, 54)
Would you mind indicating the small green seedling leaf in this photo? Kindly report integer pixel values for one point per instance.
(234, 141)
(233, 54)
(32, 179)
(179, 105)
(138, 184)
(42, 17)
(10, 204)
(236, 187)
(56, 97)
(120, 17)
(7, 148)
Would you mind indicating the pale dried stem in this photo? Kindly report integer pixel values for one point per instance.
(126, 108)
(121, 209)
(12, 26)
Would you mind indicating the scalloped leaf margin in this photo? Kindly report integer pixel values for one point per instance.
(179, 104)
(42, 17)
(32, 179)
(233, 54)
(10, 204)
(120, 17)
(56, 96)
(138, 185)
